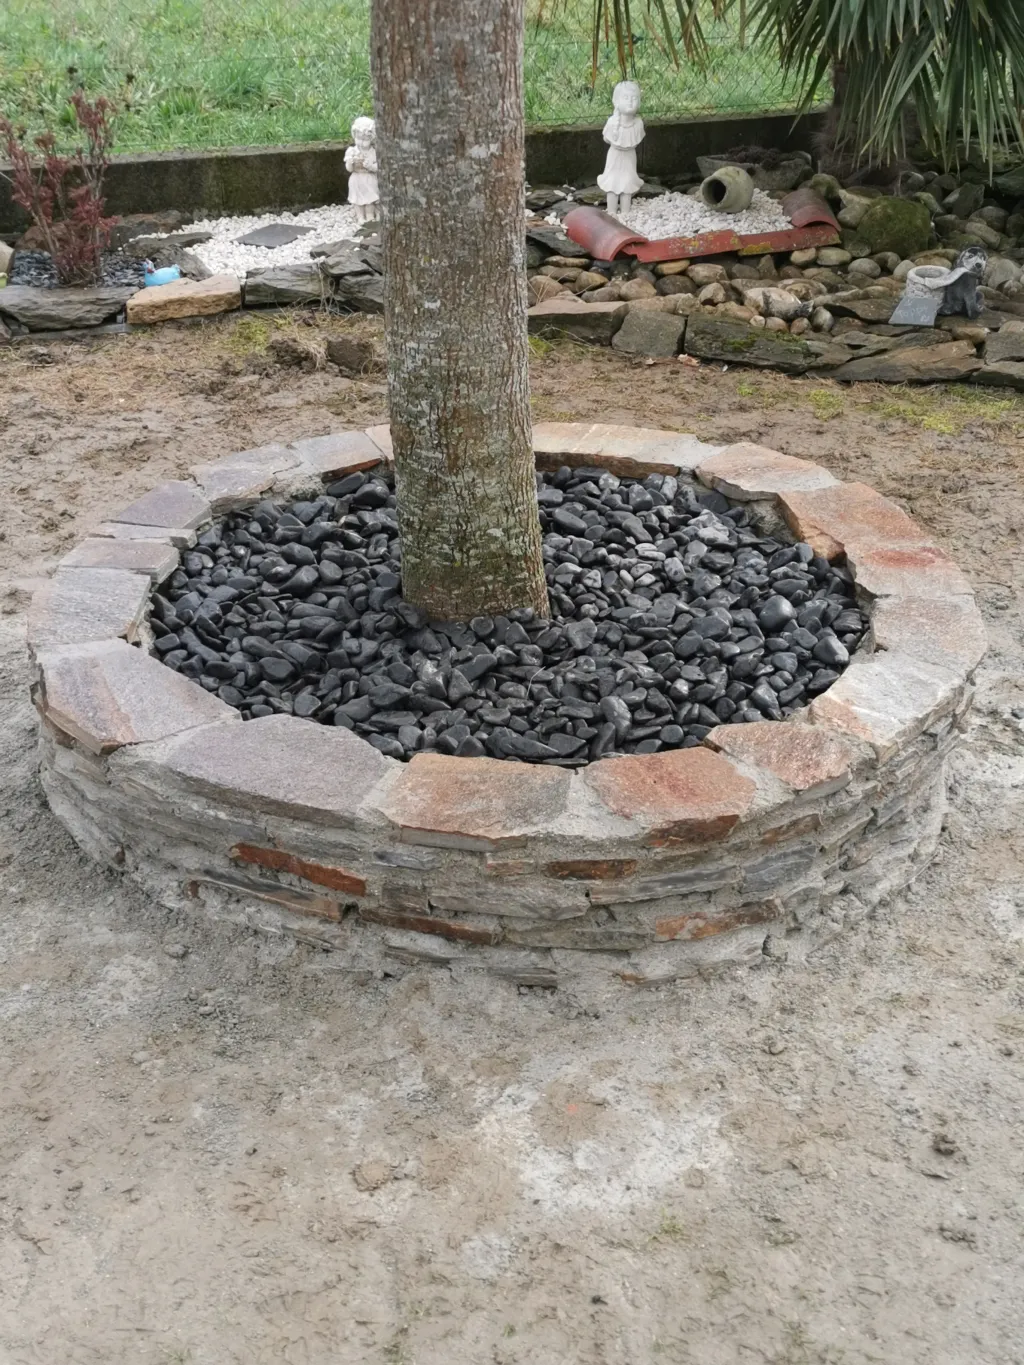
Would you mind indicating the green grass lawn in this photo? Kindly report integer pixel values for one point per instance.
(214, 73)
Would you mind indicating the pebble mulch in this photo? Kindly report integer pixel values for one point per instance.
(671, 614)
(36, 268)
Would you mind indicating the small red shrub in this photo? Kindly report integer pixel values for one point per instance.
(64, 194)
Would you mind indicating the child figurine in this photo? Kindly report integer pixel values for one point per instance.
(623, 132)
(361, 164)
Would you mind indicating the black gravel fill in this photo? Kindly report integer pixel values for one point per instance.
(671, 614)
(36, 268)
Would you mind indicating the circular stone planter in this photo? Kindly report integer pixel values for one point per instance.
(768, 837)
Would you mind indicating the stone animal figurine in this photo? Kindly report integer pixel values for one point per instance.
(623, 132)
(361, 164)
(932, 290)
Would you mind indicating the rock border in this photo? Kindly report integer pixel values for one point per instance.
(768, 838)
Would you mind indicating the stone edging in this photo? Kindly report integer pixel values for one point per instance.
(769, 837)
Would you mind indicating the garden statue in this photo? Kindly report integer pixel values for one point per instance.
(623, 132)
(361, 164)
(933, 290)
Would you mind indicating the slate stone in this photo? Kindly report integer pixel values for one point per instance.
(1006, 344)
(954, 360)
(597, 322)
(154, 558)
(736, 343)
(108, 694)
(241, 478)
(80, 605)
(58, 310)
(1003, 374)
(174, 504)
(649, 333)
(362, 292)
(287, 284)
(274, 235)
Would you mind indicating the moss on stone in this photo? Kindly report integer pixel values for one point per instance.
(900, 225)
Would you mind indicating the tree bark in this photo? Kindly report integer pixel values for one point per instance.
(448, 91)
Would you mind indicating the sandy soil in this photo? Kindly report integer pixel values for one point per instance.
(216, 1148)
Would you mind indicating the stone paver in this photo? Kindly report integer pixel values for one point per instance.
(108, 694)
(887, 699)
(805, 757)
(154, 558)
(79, 605)
(177, 504)
(477, 803)
(381, 438)
(627, 451)
(746, 471)
(244, 477)
(185, 299)
(943, 630)
(846, 517)
(340, 453)
(682, 796)
(915, 571)
(278, 765)
(177, 536)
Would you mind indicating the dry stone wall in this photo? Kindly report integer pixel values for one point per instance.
(768, 838)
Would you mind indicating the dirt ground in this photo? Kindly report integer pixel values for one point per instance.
(216, 1148)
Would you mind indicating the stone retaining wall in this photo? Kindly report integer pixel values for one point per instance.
(770, 837)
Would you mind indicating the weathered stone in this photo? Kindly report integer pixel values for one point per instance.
(948, 631)
(905, 571)
(108, 694)
(241, 478)
(287, 284)
(914, 365)
(887, 700)
(697, 924)
(273, 235)
(276, 765)
(848, 515)
(585, 321)
(381, 438)
(287, 898)
(365, 293)
(177, 536)
(591, 869)
(340, 453)
(650, 332)
(867, 310)
(628, 451)
(185, 299)
(174, 504)
(279, 860)
(737, 343)
(681, 796)
(429, 924)
(154, 558)
(805, 757)
(57, 310)
(473, 803)
(1004, 374)
(79, 605)
(746, 471)
(1006, 344)
(900, 225)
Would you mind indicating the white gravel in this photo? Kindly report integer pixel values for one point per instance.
(223, 255)
(681, 215)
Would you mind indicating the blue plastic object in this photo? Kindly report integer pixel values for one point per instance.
(167, 275)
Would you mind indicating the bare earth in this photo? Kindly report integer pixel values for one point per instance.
(232, 1152)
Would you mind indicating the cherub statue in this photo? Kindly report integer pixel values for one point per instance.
(623, 132)
(361, 164)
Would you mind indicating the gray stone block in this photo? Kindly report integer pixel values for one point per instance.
(650, 333)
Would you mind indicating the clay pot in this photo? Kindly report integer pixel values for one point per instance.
(728, 190)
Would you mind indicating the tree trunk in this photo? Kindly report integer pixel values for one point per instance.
(448, 87)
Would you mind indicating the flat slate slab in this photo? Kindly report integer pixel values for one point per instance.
(109, 694)
(340, 453)
(177, 504)
(585, 321)
(627, 451)
(274, 235)
(154, 558)
(241, 478)
(277, 765)
(58, 310)
(914, 365)
(747, 472)
(283, 284)
(79, 605)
